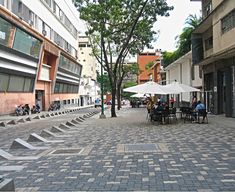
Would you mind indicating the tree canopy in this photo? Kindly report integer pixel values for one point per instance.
(123, 27)
(183, 41)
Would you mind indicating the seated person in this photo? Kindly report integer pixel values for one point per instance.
(200, 109)
(194, 103)
(158, 107)
(199, 106)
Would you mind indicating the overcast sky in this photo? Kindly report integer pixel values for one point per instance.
(172, 26)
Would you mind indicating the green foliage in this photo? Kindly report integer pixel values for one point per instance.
(106, 83)
(149, 65)
(183, 41)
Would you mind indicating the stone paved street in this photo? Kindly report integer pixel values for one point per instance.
(126, 153)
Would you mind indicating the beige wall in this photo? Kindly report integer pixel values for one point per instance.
(87, 59)
(226, 40)
(205, 36)
(215, 3)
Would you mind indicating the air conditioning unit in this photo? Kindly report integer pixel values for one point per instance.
(30, 22)
(44, 32)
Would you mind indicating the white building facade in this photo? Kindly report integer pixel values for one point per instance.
(184, 72)
(89, 88)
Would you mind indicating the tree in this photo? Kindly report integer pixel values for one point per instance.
(123, 26)
(126, 70)
(183, 40)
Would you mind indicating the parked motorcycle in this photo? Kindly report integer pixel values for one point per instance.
(54, 107)
(19, 110)
(35, 109)
(22, 110)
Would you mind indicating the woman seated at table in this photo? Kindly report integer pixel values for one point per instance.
(158, 107)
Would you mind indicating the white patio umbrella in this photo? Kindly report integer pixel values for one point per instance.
(177, 88)
(149, 87)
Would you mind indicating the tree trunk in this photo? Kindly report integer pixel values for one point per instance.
(113, 112)
(119, 97)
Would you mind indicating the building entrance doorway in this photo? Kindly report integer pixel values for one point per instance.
(225, 83)
(39, 98)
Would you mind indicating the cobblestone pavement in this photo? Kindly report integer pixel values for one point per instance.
(127, 153)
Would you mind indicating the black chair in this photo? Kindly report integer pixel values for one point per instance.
(172, 114)
(156, 115)
(166, 115)
(189, 114)
(202, 113)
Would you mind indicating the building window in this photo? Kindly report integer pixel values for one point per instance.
(208, 9)
(48, 2)
(193, 72)
(209, 43)
(228, 22)
(5, 32)
(4, 80)
(69, 65)
(20, 7)
(65, 88)
(31, 18)
(82, 45)
(2, 2)
(13, 83)
(27, 44)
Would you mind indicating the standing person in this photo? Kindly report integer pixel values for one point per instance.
(150, 104)
(172, 100)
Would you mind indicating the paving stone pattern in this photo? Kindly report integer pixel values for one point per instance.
(187, 157)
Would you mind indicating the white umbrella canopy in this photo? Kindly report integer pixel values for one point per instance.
(140, 95)
(150, 88)
(177, 88)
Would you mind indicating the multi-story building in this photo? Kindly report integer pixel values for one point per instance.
(182, 70)
(213, 48)
(143, 59)
(38, 53)
(89, 90)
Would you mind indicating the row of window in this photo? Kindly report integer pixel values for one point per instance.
(23, 41)
(65, 88)
(61, 16)
(13, 83)
(32, 19)
(69, 65)
(228, 22)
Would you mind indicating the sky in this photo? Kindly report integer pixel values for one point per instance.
(172, 26)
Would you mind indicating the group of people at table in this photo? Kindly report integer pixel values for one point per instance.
(161, 111)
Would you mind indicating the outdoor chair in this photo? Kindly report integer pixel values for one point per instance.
(188, 114)
(172, 114)
(202, 113)
(166, 115)
(156, 116)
